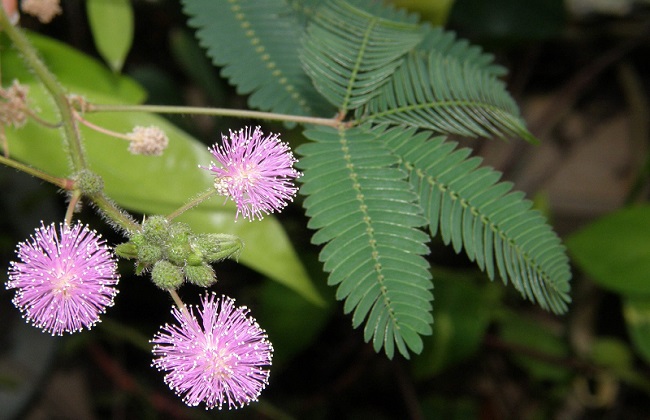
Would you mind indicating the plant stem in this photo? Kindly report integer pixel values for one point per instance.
(239, 113)
(114, 213)
(100, 129)
(178, 301)
(192, 203)
(30, 56)
(62, 183)
(74, 200)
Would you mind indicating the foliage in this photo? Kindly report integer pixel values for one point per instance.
(374, 180)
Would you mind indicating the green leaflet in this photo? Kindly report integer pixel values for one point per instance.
(447, 95)
(257, 44)
(349, 53)
(445, 43)
(495, 227)
(364, 211)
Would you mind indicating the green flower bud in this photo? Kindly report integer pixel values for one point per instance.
(137, 239)
(179, 252)
(127, 250)
(195, 258)
(149, 254)
(180, 229)
(88, 182)
(201, 275)
(166, 275)
(217, 246)
(156, 230)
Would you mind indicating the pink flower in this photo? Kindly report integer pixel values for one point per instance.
(65, 279)
(219, 359)
(255, 171)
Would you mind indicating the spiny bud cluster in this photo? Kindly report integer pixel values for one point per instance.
(175, 254)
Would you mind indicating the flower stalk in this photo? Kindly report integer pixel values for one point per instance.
(50, 82)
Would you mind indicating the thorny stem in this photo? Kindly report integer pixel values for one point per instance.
(222, 112)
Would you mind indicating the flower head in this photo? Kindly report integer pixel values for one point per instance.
(65, 278)
(43, 10)
(148, 141)
(256, 171)
(13, 103)
(219, 359)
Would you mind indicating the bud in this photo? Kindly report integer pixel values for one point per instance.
(200, 275)
(148, 141)
(149, 254)
(166, 275)
(13, 105)
(88, 182)
(215, 247)
(127, 250)
(156, 230)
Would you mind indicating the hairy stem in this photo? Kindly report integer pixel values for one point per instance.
(62, 183)
(29, 54)
(192, 203)
(222, 112)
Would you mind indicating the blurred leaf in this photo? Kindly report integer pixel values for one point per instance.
(435, 11)
(462, 312)
(611, 352)
(437, 407)
(534, 335)
(160, 184)
(636, 310)
(291, 322)
(194, 62)
(509, 19)
(111, 23)
(615, 250)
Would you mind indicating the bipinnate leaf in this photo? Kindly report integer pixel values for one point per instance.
(472, 211)
(446, 95)
(365, 213)
(256, 43)
(349, 53)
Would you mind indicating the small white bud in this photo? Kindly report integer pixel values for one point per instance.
(149, 141)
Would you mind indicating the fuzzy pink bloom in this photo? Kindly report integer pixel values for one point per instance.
(65, 278)
(220, 359)
(256, 171)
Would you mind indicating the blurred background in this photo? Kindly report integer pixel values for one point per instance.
(579, 70)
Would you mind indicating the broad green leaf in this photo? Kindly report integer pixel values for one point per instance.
(615, 250)
(160, 184)
(111, 23)
(636, 310)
